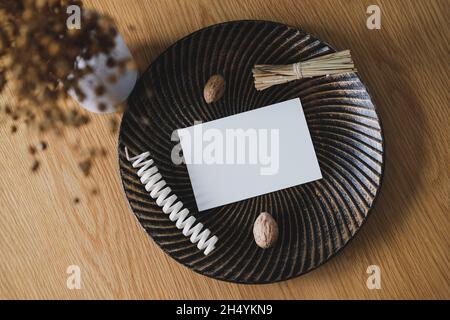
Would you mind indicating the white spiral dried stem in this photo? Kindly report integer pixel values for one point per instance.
(155, 184)
(334, 63)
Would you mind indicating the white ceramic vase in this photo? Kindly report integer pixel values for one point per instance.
(116, 92)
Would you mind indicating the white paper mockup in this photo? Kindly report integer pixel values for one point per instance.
(249, 154)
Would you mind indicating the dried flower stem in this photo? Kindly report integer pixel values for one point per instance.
(39, 63)
(39, 54)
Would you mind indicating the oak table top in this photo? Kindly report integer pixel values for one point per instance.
(404, 65)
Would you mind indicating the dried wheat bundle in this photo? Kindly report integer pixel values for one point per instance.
(333, 63)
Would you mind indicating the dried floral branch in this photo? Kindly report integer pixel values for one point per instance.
(38, 56)
(39, 62)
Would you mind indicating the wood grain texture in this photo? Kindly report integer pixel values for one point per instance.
(404, 65)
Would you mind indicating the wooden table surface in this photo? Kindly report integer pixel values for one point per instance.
(405, 66)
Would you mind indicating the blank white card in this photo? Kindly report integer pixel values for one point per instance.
(249, 154)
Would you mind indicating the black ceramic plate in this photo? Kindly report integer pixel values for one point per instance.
(315, 220)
